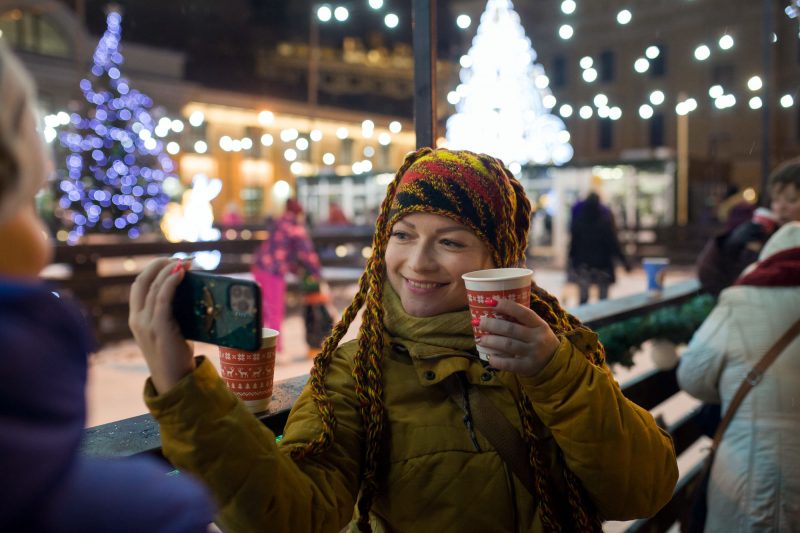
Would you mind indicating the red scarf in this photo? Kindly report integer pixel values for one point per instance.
(778, 270)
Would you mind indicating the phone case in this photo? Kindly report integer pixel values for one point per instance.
(219, 310)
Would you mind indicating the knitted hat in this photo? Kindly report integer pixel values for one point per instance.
(473, 189)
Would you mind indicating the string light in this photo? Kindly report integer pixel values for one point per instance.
(641, 65)
(391, 20)
(754, 83)
(702, 52)
(624, 17)
(656, 97)
(589, 75)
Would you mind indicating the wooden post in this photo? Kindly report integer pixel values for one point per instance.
(767, 94)
(313, 58)
(424, 28)
(682, 186)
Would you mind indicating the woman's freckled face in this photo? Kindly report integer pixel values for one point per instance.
(425, 258)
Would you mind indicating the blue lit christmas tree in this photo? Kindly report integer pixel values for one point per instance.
(115, 166)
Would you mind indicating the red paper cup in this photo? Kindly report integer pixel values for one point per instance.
(498, 283)
(249, 375)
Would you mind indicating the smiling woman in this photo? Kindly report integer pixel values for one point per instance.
(385, 421)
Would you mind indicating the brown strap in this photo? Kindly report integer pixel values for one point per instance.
(494, 425)
(752, 379)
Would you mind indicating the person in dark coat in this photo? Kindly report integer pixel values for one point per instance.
(725, 256)
(46, 483)
(593, 247)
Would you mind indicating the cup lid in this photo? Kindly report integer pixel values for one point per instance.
(497, 274)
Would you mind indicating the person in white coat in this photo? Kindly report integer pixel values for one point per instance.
(755, 478)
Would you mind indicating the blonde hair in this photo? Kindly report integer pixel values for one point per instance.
(16, 92)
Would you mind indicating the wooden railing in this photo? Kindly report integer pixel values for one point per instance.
(103, 291)
(140, 435)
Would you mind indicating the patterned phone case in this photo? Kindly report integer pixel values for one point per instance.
(219, 310)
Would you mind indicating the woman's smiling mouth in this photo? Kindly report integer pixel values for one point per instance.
(421, 287)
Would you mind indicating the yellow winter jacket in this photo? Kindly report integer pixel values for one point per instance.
(437, 475)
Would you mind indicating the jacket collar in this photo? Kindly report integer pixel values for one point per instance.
(437, 345)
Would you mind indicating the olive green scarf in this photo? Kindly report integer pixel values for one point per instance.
(452, 331)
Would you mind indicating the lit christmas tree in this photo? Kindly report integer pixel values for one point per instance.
(115, 166)
(503, 102)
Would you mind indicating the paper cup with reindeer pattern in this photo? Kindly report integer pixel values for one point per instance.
(500, 284)
(250, 375)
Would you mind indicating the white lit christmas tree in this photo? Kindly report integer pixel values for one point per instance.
(115, 167)
(503, 102)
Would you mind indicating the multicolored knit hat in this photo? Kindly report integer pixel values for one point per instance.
(473, 189)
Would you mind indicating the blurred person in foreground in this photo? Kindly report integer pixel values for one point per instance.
(724, 257)
(593, 248)
(384, 432)
(755, 477)
(45, 483)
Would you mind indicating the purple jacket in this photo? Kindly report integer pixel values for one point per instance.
(287, 249)
(45, 484)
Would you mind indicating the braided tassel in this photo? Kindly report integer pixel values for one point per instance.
(586, 518)
(543, 485)
(367, 372)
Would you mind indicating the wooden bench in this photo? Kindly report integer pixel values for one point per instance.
(140, 434)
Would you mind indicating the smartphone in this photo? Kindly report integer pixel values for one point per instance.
(219, 310)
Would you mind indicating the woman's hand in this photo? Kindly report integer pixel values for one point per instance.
(169, 356)
(524, 348)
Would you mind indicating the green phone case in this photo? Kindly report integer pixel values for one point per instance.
(219, 310)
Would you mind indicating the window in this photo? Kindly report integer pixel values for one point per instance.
(346, 152)
(606, 139)
(384, 159)
(724, 75)
(607, 65)
(558, 74)
(254, 134)
(658, 65)
(33, 33)
(657, 130)
(303, 155)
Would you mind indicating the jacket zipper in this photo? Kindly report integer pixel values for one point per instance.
(468, 412)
